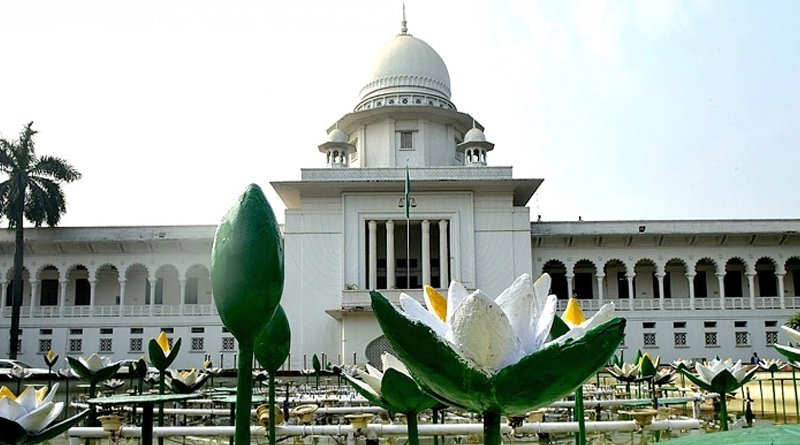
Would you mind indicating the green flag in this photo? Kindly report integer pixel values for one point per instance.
(408, 192)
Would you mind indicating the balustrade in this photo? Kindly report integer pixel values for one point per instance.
(105, 310)
(646, 304)
(706, 303)
(737, 303)
(681, 304)
(46, 312)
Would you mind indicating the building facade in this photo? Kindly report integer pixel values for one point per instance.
(690, 289)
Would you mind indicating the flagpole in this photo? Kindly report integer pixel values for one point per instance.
(408, 227)
(408, 250)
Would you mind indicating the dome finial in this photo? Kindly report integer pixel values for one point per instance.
(403, 27)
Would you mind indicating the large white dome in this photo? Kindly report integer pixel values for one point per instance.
(407, 71)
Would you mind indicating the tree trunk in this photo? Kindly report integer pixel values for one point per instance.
(16, 288)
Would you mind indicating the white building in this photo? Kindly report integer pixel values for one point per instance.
(689, 289)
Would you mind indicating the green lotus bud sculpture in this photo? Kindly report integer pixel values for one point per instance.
(722, 377)
(247, 281)
(271, 349)
(161, 353)
(496, 356)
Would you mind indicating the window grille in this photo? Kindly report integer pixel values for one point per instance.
(106, 344)
(75, 345)
(711, 339)
(45, 345)
(772, 338)
(197, 344)
(406, 140)
(741, 338)
(136, 345)
(649, 339)
(228, 344)
(680, 339)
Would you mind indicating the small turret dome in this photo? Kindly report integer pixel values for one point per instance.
(475, 135)
(337, 135)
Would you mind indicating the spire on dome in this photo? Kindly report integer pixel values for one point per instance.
(403, 27)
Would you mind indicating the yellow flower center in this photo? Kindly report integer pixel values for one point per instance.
(40, 393)
(5, 392)
(438, 301)
(163, 341)
(573, 314)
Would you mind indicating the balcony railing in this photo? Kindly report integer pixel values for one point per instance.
(108, 311)
(360, 300)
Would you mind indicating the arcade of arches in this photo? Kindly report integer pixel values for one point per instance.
(705, 283)
(105, 291)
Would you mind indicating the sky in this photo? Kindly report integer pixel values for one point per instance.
(628, 110)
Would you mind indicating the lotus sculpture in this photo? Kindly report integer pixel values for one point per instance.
(187, 382)
(496, 356)
(93, 369)
(394, 390)
(722, 377)
(27, 418)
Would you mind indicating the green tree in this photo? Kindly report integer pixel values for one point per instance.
(32, 192)
(794, 321)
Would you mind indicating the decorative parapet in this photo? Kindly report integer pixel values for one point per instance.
(398, 174)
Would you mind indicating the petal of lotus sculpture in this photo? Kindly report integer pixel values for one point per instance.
(791, 353)
(494, 357)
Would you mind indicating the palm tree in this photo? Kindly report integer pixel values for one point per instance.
(32, 192)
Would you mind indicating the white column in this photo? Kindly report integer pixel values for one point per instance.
(781, 289)
(599, 279)
(183, 292)
(444, 255)
(92, 288)
(426, 252)
(721, 284)
(391, 274)
(152, 281)
(3, 295)
(121, 297)
(751, 283)
(660, 278)
(690, 278)
(62, 299)
(34, 296)
(372, 283)
(630, 289)
(570, 292)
